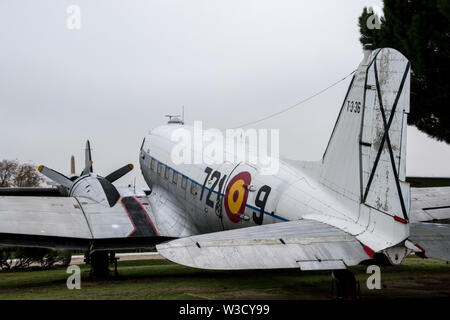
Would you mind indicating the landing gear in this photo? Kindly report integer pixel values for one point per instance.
(99, 261)
(345, 283)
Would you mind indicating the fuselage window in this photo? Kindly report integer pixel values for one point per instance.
(153, 164)
(175, 178)
(193, 188)
(183, 182)
(166, 173)
(159, 168)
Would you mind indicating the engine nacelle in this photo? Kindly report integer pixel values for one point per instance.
(95, 188)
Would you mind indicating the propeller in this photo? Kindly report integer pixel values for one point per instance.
(55, 176)
(87, 159)
(68, 183)
(119, 173)
(72, 165)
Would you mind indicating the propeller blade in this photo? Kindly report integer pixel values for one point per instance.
(87, 159)
(72, 165)
(55, 176)
(113, 176)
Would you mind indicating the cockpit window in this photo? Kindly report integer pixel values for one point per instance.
(110, 191)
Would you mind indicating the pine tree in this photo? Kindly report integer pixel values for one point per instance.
(420, 29)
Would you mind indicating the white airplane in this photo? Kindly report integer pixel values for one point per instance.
(353, 206)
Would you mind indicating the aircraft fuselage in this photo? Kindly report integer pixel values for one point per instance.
(229, 195)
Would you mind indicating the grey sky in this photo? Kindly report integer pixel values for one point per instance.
(132, 62)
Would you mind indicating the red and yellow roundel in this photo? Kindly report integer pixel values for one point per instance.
(236, 195)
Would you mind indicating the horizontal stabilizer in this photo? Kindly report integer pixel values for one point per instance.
(430, 204)
(307, 244)
(432, 238)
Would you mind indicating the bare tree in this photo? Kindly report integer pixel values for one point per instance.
(7, 170)
(26, 175)
(13, 174)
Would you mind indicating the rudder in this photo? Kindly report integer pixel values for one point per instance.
(383, 137)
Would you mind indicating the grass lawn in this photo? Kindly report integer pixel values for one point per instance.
(161, 279)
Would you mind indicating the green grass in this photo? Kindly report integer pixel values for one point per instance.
(161, 279)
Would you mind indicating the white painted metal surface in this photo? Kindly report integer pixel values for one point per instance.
(53, 216)
(309, 244)
(429, 204)
(391, 74)
(434, 238)
(106, 222)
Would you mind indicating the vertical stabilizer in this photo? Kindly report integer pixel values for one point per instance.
(365, 157)
(341, 160)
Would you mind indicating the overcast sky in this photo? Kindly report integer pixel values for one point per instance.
(132, 62)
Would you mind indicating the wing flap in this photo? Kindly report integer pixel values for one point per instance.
(322, 265)
(309, 244)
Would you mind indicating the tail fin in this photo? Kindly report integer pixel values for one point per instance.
(365, 157)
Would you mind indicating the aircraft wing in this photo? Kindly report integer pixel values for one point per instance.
(430, 208)
(425, 182)
(432, 238)
(307, 244)
(77, 223)
(33, 191)
(430, 204)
